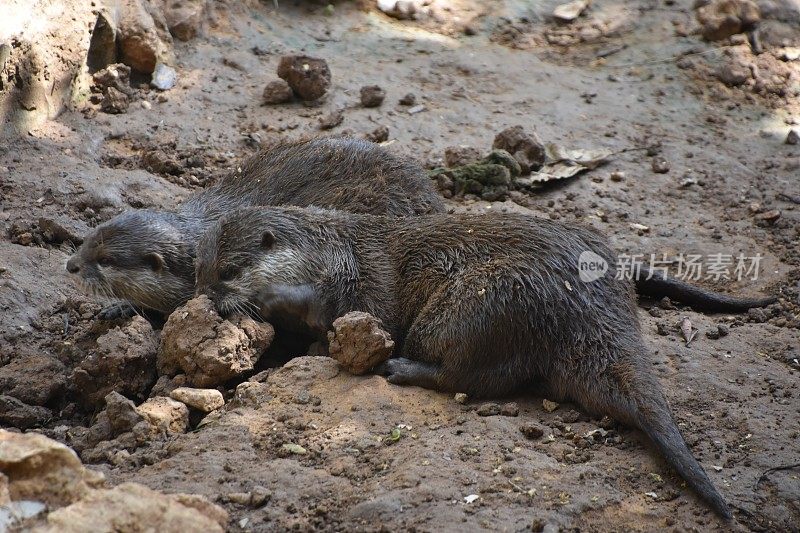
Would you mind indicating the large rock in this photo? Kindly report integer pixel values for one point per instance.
(123, 361)
(35, 379)
(720, 19)
(121, 413)
(205, 400)
(20, 415)
(358, 342)
(184, 17)
(44, 470)
(133, 508)
(207, 348)
(165, 415)
(143, 38)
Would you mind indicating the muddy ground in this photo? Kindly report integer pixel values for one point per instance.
(633, 77)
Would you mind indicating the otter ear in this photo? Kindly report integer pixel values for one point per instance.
(267, 240)
(154, 261)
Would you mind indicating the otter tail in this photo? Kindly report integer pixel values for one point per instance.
(700, 299)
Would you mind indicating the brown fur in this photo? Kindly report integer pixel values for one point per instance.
(484, 304)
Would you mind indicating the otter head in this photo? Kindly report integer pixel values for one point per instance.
(253, 260)
(139, 256)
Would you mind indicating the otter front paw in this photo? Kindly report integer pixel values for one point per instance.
(402, 371)
(116, 311)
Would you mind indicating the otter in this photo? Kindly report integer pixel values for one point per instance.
(146, 257)
(487, 304)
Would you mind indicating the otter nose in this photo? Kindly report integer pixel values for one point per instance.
(72, 266)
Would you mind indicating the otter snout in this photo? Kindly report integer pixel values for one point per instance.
(73, 265)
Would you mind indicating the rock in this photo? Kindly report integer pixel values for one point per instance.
(617, 176)
(459, 156)
(358, 342)
(721, 19)
(143, 39)
(41, 469)
(123, 361)
(659, 165)
(131, 508)
(408, 100)
(117, 76)
(277, 92)
(165, 385)
(122, 413)
(509, 409)
(165, 415)
(309, 77)
(184, 18)
(531, 431)
(158, 162)
(205, 400)
(712, 333)
(209, 350)
(793, 137)
(378, 135)
(293, 449)
(399, 9)
(769, 216)
(164, 77)
(488, 409)
(526, 148)
(58, 232)
(34, 379)
(549, 406)
(114, 101)
(18, 414)
(372, 96)
(461, 398)
(331, 120)
(103, 45)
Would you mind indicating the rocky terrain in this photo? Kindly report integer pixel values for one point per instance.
(673, 126)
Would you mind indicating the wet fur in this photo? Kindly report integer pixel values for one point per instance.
(485, 304)
(348, 174)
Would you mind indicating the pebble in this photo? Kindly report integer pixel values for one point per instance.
(277, 92)
(331, 120)
(510, 409)
(617, 176)
(488, 409)
(461, 398)
(416, 109)
(793, 137)
(409, 99)
(205, 400)
(372, 96)
(531, 431)
(164, 77)
(659, 165)
(294, 449)
(549, 406)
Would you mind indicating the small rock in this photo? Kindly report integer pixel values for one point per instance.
(378, 135)
(358, 342)
(184, 18)
(793, 137)
(121, 412)
(659, 165)
(18, 414)
(488, 409)
(331, 120)
(549, 406)
(461, 398)
(617, 176)
(164, 77)
(277, 92)
(723, 330)
(293, 449)
(372, 96)
(165, 415)
(510, 409)
(459, 156)
(205, 400)
(769, 216)
(114, 101)
(416, 109)
(309, 77)
(399, 9)
(408, 100)
(532, 431)
(526, 148)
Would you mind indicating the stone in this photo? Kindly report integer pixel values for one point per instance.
(122, 413)
(164, 77)
(210, 350)
(165, 415)
(459, 156)
(531, 431)
(103, 44)
(277, 92)
(114, 101)
(19, 414)
(461, 398)
(41, 469)
(793, 137)
(488, 409)
(184, 18)
(509, 409)
(358, 342)
(399, 9)
(331, 120)
(659, 165)
(309, 77)
(372, 96)
(408, 100)
(549, 406)
(143, 39)
(378, 135)
(720, 19)
(32, 378)
(205, 400)
(526, 148)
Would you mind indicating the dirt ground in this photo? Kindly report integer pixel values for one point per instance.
(633, 77)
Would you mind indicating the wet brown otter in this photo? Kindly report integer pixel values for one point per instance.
(147, 257)
(484, 304)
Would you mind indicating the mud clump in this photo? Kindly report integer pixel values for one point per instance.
(359, 343)
(721, 19)
(277, 92)
(309, 77)
(491, 178)
(526, 148)
(372, 96)
(123, 361)
(210, 350)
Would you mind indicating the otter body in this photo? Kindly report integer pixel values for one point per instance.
(147, 257)
(484, 304)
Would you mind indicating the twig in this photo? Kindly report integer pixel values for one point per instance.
(667, 60)
(768, 471)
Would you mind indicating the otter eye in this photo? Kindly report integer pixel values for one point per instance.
(228, 273)
(104, 261)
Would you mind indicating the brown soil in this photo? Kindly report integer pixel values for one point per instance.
(340, 452)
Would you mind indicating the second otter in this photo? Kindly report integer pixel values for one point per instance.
(483, 304)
